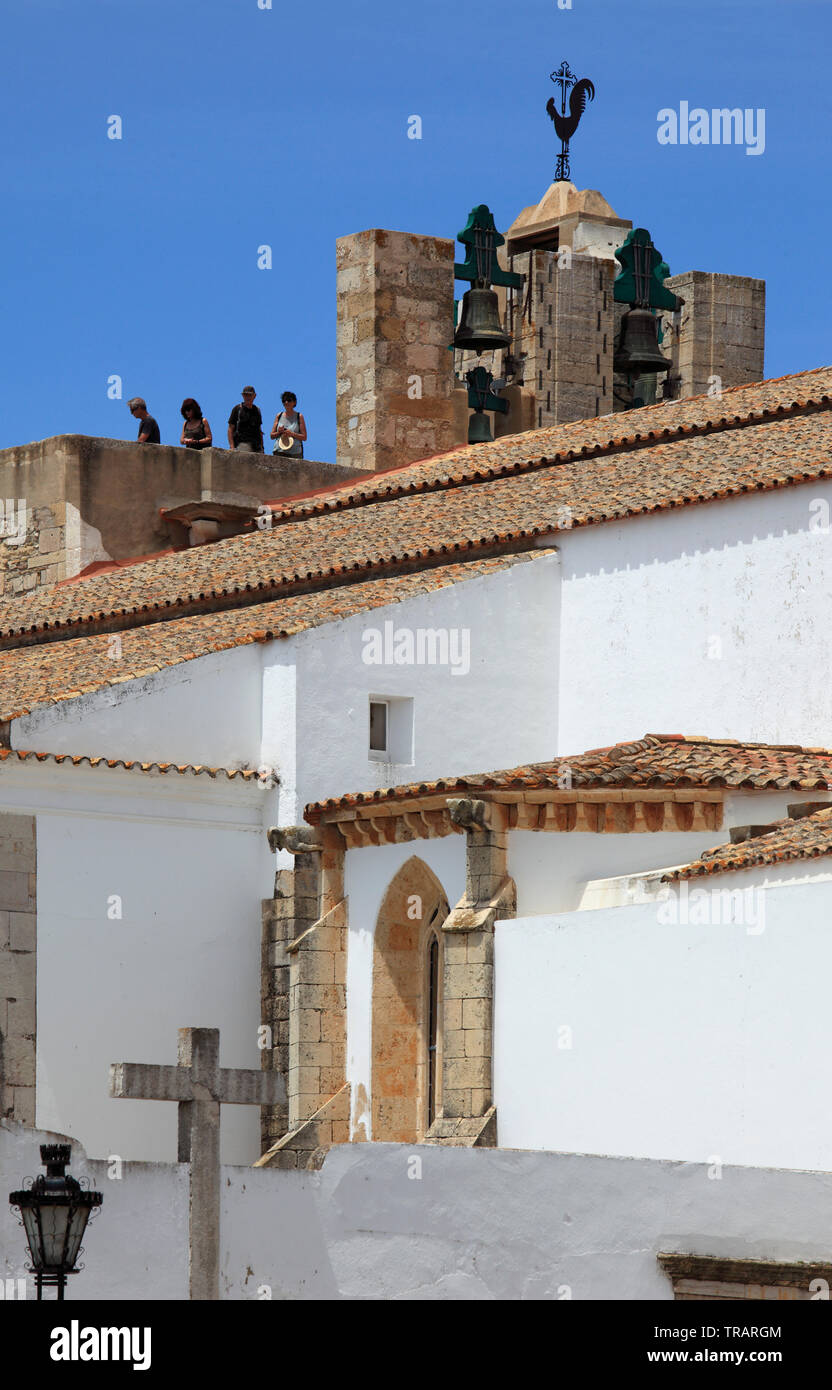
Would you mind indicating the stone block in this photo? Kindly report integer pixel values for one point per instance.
(17, 828)
(332, 1026)
(23, 1108)
(17, 975)
(480, 948)
(331, 1080)
(469, 981)
(14, 891)
(477, 1042)
(452, 1014)
(324, 939)
(456, 949)
(22, 929)
(312, 1054)
(453, 1043)
(456, 1103)
(317, 967)
(463, 1073)
(476, 1013)
(480, 1102)
(19, 1061)
(309, 1023)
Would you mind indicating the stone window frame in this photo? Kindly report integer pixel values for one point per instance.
(432, 926)
(715, 1278)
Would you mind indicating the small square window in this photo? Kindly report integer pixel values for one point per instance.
(391, 730)
(378, 726)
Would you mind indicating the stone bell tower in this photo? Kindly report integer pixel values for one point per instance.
(562, 322)
(401, 392)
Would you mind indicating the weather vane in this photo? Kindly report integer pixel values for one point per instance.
(565, 125)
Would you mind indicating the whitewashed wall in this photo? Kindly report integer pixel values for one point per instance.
(551, 871)
(202, 711)
(643, 601)
(470, 1224)
(188, 859)
(503, 712)
(687, 1041)
(367, 876)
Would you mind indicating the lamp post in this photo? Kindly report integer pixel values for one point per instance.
(54, 1213)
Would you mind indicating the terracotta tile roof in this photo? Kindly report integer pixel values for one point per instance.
(49, 673)
(739, 405)
(808, 838)
(770, 435)
(655, 761)
(11, 755)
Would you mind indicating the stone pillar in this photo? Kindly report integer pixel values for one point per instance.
(18, 1017)
(469, 968)
(395, 376)
(291, 912)
(720, 332)
(317, 1015)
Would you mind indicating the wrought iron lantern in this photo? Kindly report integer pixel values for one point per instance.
(54, 1213)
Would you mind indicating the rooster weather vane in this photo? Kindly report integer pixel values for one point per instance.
(567, 123)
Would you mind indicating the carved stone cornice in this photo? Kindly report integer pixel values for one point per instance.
(296, 839)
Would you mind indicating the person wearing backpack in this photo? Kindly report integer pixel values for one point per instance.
(289, 428)
(245, 425)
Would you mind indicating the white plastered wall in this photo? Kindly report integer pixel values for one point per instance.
(625, 1031)
(551, 870)
(646, 604)
(203, 711)
(186, 863)
(502, 712)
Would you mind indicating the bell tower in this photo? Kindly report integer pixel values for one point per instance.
(562, 322)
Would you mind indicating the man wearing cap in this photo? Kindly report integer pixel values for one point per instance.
(245, 425)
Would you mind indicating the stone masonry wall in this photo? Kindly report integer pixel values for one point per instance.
(38, 560)
(721, 332)
(395, 377)
(565, 328)
(18, 1023)
(98, 499)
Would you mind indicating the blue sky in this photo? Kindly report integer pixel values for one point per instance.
(288, 127)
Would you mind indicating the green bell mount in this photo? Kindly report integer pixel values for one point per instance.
(640, 284)
(480, 328)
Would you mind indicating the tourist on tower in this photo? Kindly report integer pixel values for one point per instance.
(148, 429)
(196, 432)
(245, 425)
(289, 428)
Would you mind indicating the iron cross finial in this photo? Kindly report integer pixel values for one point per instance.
(565, 125)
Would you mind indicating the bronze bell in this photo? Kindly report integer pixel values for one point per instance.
(480, 329)
(638, 353)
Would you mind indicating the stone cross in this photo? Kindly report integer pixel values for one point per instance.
(200, 1086)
